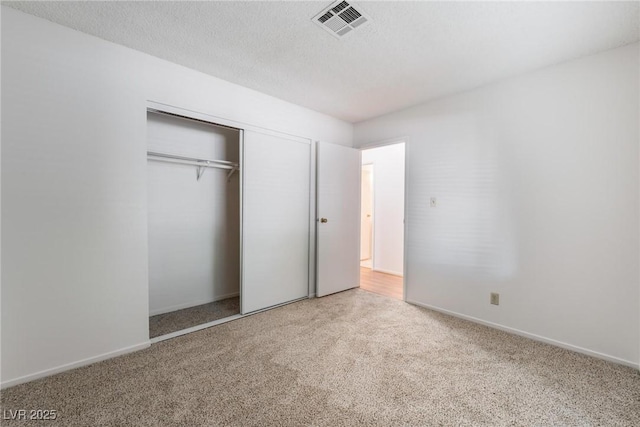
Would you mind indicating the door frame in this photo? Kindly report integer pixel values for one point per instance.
(373, 212)
(384, 143)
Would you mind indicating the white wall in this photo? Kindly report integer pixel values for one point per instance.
(388, 200)
(74, 186)
(536, 180)
(194, 224)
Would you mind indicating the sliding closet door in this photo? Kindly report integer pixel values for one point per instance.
(275, 220)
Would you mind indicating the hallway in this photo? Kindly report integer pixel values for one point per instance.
(381, 283)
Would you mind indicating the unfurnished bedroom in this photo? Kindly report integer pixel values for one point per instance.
(317, 213)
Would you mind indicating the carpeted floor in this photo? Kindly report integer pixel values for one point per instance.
(166, 323)
(355, 358)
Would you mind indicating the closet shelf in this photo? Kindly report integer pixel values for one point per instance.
(201, 164)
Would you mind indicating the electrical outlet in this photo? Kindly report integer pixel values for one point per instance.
(433, 202)
(495, 298)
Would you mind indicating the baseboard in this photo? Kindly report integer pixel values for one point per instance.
(393, 273)
(534, 337)
(73, 365)
(191, 304)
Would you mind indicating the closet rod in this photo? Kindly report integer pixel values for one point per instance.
(201, 164)
(205, 163)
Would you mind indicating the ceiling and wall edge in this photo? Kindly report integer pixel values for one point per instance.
(408, 53)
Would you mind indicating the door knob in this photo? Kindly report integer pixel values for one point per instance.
(323, 220)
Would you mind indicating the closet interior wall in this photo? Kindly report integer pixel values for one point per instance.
(194, 224)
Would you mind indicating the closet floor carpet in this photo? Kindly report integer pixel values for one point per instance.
(353, 358)
(163, 324)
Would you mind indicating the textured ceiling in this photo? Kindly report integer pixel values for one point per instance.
(411, 52)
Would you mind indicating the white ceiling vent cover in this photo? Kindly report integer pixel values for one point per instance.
(340, 18)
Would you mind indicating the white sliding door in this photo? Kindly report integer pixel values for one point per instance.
(275, 224)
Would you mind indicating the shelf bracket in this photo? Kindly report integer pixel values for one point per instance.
(235, 168)
(201, 170)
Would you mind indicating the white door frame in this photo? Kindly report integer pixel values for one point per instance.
(373, 212)
(384, 143)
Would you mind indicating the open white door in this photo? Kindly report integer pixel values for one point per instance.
(338, 225)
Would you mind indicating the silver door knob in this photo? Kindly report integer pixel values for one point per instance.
(323, 220)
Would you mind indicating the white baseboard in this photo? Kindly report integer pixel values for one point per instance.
(393, 273)
(534, 337)
(190, 304)
(73, 365)
(120, 352)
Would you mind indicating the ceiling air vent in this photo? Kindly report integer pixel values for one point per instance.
(340, 18)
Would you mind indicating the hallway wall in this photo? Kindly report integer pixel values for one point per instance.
(388, 200)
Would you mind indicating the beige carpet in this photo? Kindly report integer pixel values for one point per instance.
(355, 358)
(166, 323)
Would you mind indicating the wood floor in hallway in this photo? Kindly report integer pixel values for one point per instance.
(380, 283)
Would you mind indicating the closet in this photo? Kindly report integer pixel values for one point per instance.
(230, 219)
(194, 222)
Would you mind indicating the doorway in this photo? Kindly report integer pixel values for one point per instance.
(382, 220)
